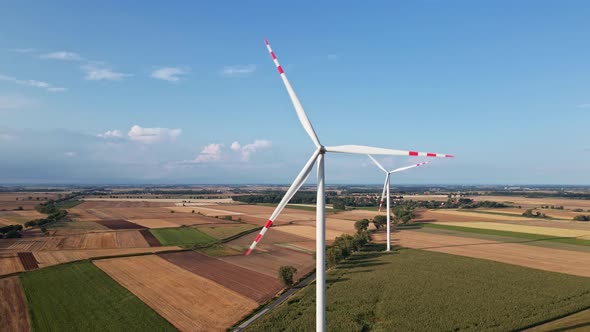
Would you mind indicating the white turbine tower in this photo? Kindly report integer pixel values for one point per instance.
(318, 155)
(386, 187)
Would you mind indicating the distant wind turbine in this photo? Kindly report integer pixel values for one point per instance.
(318, 155)
(386, 187)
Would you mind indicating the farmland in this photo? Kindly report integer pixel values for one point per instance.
(13, 308)
(432, 292)
(187, 300)
(63, 298)
(183, 236)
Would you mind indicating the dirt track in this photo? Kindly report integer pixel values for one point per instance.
(13, 308)
(556, 260)
(251, 284)
(187, 300)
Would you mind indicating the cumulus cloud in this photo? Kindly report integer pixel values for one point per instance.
(152, 135)
(15, 102)
(235, 146)
(170, 74)
(32, 83)
(211, 152)
(62, 55)
(96, 73)
(115, 133)
(258, 145)
(239, 70)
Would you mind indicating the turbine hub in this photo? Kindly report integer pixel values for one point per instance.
(322, 149)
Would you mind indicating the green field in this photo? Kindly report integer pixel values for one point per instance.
(80, 297)
(224, 231)
(416, 290)
(183, 236)
(528, 236)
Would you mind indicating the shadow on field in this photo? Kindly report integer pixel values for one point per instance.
(367, 258)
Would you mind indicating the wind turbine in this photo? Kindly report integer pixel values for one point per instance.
(318, 156)
(386, 188)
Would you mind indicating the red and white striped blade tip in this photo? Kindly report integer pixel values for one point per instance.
(430, 154)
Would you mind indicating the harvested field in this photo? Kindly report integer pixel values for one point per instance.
(28, 261)
(126, 213)
(268, 259)
(124, 200)
(207, 211)
(450, 215)
(563, 214)
(119, 224)
(54, 257)
(150, 238)
(551, 231)
(340, 225)
(308, 232)
(254, 285)
(10, 263)
(13, 307)
(81, 297)
(119, 203)
(359, 214)
(154, 223)
(274, 235)
(131, 239)
(538, 202)
(11, 201)
(189, 301)
(556, 260)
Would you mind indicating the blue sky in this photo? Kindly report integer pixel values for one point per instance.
(147, 92)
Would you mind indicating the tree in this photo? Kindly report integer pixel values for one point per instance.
(361, 225)
(333, 256)
(379, 221)
(402, 215)
(286, 274)
(338, 204)
(13, 234)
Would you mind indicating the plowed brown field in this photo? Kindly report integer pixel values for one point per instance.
(254, 285)
(549, 259)
(187, 300)
(150, 238)
(13, 308)
(119, 224)
(28, 261)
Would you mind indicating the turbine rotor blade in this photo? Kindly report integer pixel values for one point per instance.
(377, 163)
(296, 103)
(383, 193)
(401, 169)
(295, 186)
(361, 149)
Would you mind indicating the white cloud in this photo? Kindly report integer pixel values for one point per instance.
(235, 146)
(258, 145)
(239, 70)
(583, 106)
(15, 102)
(62, 55)
(32, 83)
(211, 152)
(115, 133)
(70, 154)
(170, 74)
(95, 73)
(152, 135)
